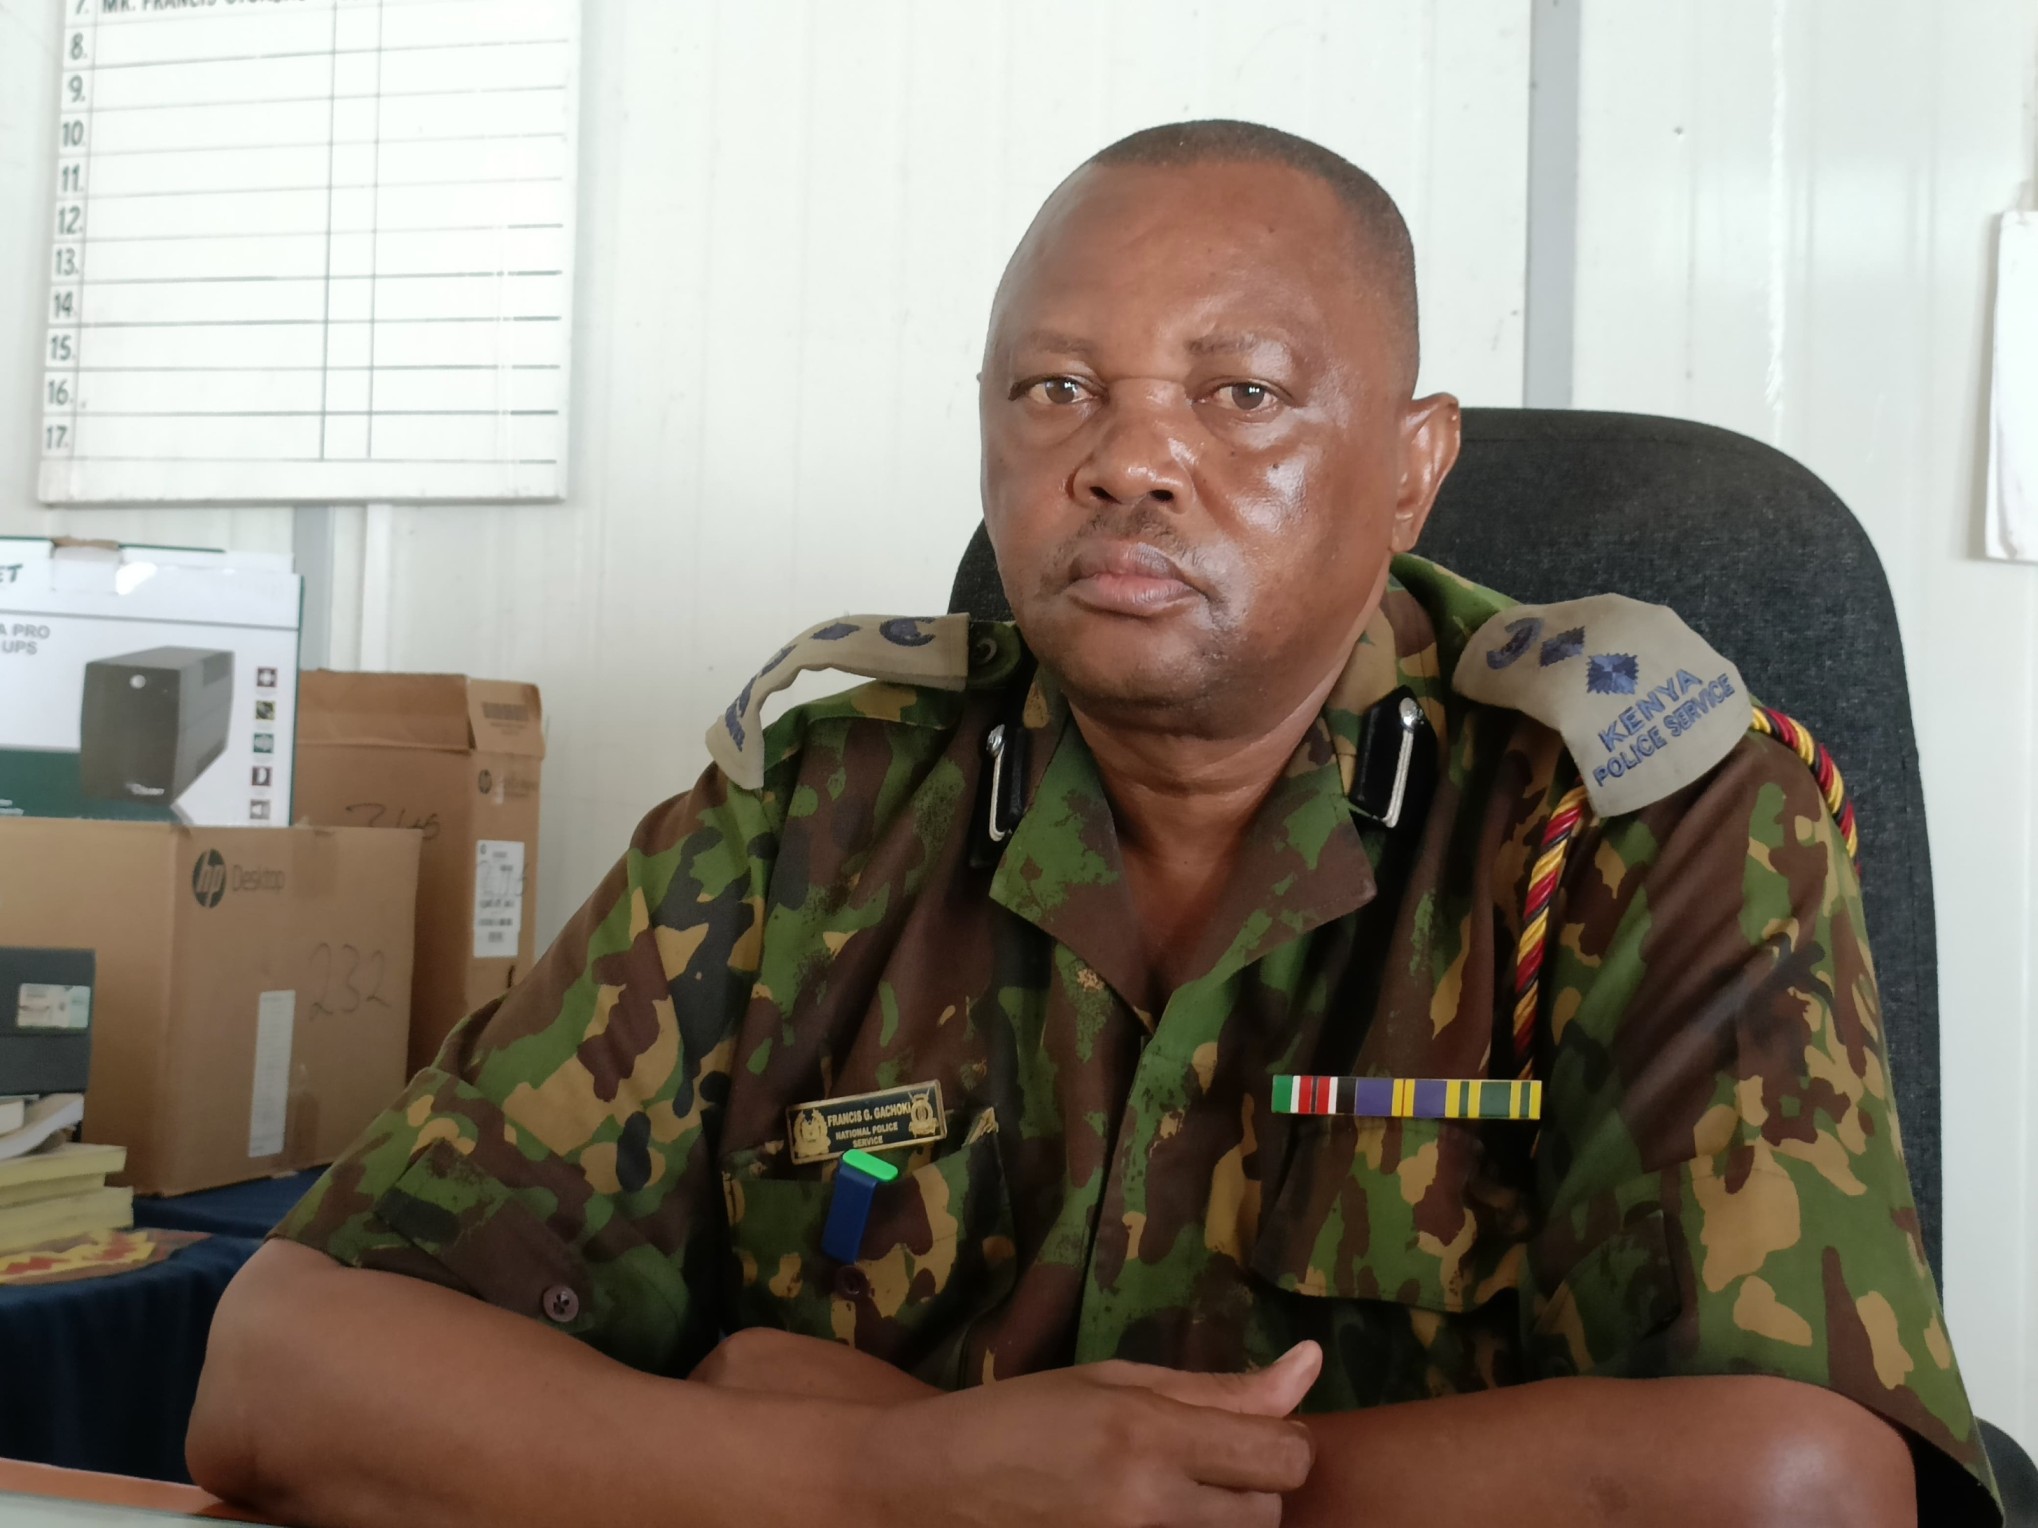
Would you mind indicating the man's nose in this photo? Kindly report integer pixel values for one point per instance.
(1137, 452)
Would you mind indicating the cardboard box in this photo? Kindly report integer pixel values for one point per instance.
(458, 758)
(251, 991)
(149, 683)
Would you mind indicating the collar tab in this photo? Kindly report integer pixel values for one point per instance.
(1002, 790)
(1397, 761)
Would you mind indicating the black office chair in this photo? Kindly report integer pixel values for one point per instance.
(1770, 567)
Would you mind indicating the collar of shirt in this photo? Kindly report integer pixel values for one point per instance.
(1304, 861)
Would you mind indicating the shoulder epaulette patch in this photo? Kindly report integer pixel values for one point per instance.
(923, 650)
(1644, 704)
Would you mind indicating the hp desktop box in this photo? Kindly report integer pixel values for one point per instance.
(249, 995)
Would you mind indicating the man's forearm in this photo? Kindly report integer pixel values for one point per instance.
(1741, 1450)
(1733, 1449)
(333, 1396)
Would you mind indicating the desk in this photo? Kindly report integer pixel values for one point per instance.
(101, 1374)
(39, 1496)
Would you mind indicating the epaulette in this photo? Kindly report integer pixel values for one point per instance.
(1643, 703)
(945, 652)
(1645, 707)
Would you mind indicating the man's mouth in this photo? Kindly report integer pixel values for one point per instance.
(1126, 578)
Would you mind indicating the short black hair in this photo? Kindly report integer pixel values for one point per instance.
(1382, 231)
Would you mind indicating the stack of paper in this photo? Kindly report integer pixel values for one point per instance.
(52, 1189)
(29, 1124)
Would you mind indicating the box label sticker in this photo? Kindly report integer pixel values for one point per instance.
(43, 1005)
(275, 1023)
(498, 898)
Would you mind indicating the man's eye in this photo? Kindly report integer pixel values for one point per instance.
(1057, 390)
(1246, 397)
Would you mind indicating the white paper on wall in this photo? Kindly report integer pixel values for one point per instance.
(2013, 395)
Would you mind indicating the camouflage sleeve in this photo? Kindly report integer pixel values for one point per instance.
(557, 1158)
(1721, 1181)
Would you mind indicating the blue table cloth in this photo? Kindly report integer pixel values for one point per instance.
(242, 1209)
(100, 1374)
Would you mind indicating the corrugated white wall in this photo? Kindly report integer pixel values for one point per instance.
(792, 217)
(1786, 215)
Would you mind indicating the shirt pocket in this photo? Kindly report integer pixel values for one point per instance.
(1390, 1209)
(1603, 1289)
(937, 1254)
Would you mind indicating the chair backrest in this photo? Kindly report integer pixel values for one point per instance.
(1771, 568)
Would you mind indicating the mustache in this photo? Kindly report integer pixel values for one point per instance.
(1141, 524)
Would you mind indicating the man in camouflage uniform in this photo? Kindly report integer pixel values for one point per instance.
(1100, 888)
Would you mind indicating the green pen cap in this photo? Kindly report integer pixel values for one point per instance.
(864, 1162)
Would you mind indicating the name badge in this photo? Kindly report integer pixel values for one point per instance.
(886, 1120)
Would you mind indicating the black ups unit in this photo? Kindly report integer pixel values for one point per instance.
(152, 721)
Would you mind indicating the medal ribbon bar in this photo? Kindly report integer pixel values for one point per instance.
(1410, 1097)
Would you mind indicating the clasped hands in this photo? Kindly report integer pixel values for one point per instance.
(1110, 1444)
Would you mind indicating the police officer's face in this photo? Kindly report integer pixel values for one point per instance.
(1199, 448)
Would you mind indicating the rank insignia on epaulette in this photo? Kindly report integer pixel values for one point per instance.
(932, 651)
(1644, 704)
(1410, 1097)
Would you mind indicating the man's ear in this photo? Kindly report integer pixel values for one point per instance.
(1429, 448)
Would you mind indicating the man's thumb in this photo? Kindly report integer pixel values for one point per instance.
(1270, 1392)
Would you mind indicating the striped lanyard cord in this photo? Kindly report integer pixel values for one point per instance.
(1798, 739)
(1569, 816)
(1535, 924)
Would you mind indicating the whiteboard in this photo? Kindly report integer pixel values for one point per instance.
(311, 250)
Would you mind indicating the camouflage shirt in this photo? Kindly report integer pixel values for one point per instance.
(1717, 1185)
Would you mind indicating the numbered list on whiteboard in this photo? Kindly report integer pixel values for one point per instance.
(311, 250)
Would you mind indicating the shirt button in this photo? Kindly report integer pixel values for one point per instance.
(851, 1282)
(561, 1305)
